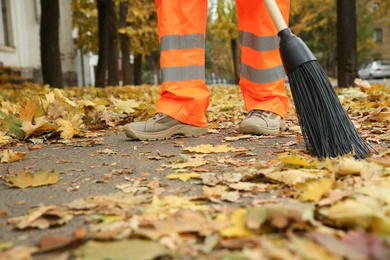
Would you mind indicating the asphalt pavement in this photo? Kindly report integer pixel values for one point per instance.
(96, 165)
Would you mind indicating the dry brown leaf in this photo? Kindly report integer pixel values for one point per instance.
(9, 156)
(42, 218)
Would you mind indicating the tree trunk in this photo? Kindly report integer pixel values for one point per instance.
(138, 69)
(236, 60)
(127, 73)
(113, 67)
(50, 43)
(152, 62)
(100, 79)
(346, 43)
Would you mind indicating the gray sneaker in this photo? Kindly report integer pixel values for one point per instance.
(161, 126)
(259, 122)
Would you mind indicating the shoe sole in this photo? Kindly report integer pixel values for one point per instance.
(259, 130)
(182, 130)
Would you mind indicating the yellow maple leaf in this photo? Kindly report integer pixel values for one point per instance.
(126, 106)
(28, 110)
(70, 127)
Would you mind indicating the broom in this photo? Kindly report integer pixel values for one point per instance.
(326, 128)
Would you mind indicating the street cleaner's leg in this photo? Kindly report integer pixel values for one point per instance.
(184, 96)
(262, 75)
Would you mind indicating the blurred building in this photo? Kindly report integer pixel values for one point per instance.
(382, 33)
(20, 40)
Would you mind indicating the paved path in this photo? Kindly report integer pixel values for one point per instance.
(97, 165)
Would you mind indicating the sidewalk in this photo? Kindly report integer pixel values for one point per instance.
(98, 166)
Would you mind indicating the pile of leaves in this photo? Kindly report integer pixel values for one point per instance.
(291, 207)
(31, 111)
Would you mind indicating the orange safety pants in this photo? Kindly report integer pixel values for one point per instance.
(182, 29)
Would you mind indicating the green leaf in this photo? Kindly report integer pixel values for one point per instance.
(14, 125)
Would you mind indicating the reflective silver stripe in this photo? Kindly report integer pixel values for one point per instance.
(182, 42)
(183, 73)
(259, 43)
(262, 76)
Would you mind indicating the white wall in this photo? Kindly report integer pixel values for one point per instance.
(25, 29)
(25, 19)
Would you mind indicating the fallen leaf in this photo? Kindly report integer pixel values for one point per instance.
(9, 156)
(42, 218)
(380, 193)
(381, 114)
(70, 127)
(183, 176)
(126, 106)
(19, 252)
(236, 138)
(216, 191)
(189, 164)
(345, 165)
(231, 196)
(310, 250)
(3, 213)
(13, 125)
(238, 227)
(293, 177)
(28, 109)
(315, 190)
(49, 243)
(208, 148)
(337, 246)
(4, 138)
(281, 215)
(298, 160)
(28, 179)
(5, 245)
(357, 213)
(136, 248)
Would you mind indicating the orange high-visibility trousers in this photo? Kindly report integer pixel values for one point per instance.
(182, 28)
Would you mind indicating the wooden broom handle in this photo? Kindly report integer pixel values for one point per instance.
(276, 15)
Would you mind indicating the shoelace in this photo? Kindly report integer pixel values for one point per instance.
(259, 113)
(157, 116)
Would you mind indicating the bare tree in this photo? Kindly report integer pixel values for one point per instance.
(50, 43)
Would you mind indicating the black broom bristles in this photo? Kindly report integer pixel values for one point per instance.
(326, 128)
